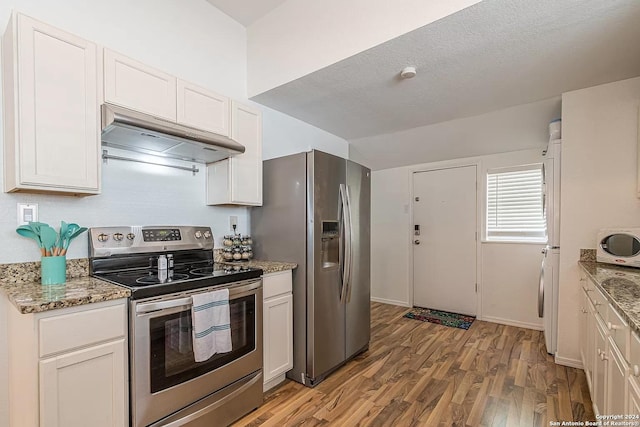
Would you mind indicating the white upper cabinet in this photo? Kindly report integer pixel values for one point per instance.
(51, 129)
(238, 180)
(132, 84)
(203, 109)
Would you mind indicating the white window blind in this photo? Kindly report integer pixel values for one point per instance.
(514, 204)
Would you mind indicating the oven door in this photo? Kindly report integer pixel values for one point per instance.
(165, 377)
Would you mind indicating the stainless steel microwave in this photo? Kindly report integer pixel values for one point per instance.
(619, 246)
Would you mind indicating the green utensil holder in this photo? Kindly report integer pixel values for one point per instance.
(53, 270)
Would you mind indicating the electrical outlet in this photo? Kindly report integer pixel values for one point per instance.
(27, 213)
(233, 222)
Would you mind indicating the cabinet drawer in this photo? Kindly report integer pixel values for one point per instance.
(276, 284)
(619, 331)
(62, 333)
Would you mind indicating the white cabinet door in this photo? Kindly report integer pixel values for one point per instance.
(633, 407)
(51, 109)
(278, 336)
(134, 85)
(238, 180)
(200, 108)
(616, 381)
(85, 387)
(583, 316)
(600, 369)
(590, 336)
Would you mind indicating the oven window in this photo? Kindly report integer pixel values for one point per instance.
(171, 359)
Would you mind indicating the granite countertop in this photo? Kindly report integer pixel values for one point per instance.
(36, 298)
(21, 283)
(621, 287)
(266, 266)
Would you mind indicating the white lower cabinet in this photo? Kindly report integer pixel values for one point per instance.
(633, 407)
(277, 327)
(616, 381)
(68, 367)
(610, 356)
(586, 333)
(599, 370)
(87, 384)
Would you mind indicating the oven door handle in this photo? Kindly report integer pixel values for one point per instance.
(163, 305)
(237, 291)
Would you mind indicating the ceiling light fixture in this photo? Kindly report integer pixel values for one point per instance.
(408, 72)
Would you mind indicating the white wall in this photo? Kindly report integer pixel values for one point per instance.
(283, 135)
(390, 236)
(508, 273)
(599, 167)
(302, 36)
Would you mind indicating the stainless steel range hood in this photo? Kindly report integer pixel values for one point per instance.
(131, 130)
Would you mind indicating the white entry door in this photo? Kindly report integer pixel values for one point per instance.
(444, 254)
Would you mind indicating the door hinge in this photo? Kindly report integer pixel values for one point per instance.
(476, 288)
(476, 236)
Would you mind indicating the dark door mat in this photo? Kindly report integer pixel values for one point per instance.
(439, 317)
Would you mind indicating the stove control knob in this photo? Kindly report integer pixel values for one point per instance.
(198, 234)
(118, 237)
(103, 237)
(207, 235)
(131, 236)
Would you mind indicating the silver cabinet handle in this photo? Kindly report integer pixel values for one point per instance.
(636, 371)
(417, 242)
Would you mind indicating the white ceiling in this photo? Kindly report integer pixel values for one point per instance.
(490, 56)
(246, 12)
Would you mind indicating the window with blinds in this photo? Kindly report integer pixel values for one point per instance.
(515, 209)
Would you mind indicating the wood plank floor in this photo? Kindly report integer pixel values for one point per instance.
(421, 374)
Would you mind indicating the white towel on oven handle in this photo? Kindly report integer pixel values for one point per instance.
(211, 325)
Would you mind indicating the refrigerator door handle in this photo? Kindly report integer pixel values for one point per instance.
(350, 242)
(541, 290)
(346, 241)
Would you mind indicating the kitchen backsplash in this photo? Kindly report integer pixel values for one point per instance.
(588, 255)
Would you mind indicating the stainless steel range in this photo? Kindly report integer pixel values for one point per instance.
(163, 267)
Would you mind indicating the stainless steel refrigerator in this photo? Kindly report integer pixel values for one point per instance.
(316, 212)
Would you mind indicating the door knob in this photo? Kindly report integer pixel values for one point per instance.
(417, 242)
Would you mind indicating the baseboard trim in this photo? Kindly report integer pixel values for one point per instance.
(391, 301)
(572, 363)
(268, 385)
(508, 322)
